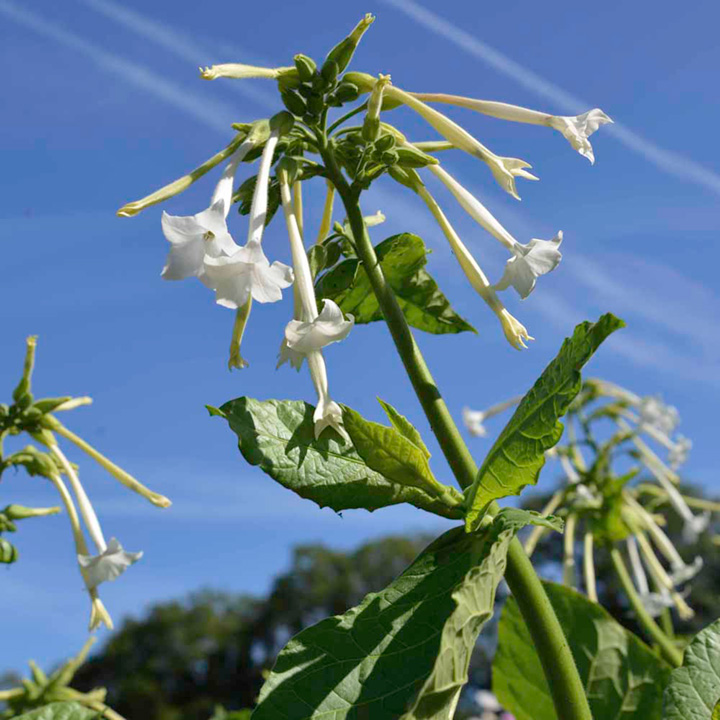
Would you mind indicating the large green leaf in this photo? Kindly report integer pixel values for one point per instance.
(60, 711)
(516, 458)
(403, 652)
(402, 258)
(694, 689)
(395, 457)
(279, 437)
(623, 678)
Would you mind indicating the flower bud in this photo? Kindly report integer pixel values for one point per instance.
(371, 126)
(346, 92)
(306, 67)
(293, 102)
(21, 394)
(282, 122)
(46, 405)
(343, 52)
(315, 104)
(8, 552)
(411, 157)
(384, 143)
(20, 512)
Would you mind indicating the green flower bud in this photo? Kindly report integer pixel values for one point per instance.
(371, 126)
(6, 524)
(290, 166)
(363, 81)
(283, 122)
(46, 405)
(411, 157)
(408, 178)
(343, 52)
(20, 512)
(315, 104)
(306, 67)
(8, 552)
(385, 143)
(22, 391)
(390, 157)
(347, 92)
(293, 102)
(329, 73)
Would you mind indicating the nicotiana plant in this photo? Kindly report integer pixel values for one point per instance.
(404, 651)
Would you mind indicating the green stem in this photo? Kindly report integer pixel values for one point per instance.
(667, 647)
(552, 647)
(346, 116)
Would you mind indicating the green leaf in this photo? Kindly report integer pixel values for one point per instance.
(404, 426)
(623, 678)
(401, 653)
(60, 711)
(390, 453)
(518, 455)
(694, 689)
(279, 437)
(402, 258)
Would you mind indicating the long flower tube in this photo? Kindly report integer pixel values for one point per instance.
(504, 169)
(326, 222)
(238, 71)
(98, 614)
(117, 472)
(514, 331)
(311, 333)
(589, 566)
(569, 550)
(576, 129)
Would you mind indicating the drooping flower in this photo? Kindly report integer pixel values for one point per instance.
(107, 565)
(246, 272)
(474, 419)
(530, 261)
(575, 129)
(504, 169)
(514, 331)
(206, 233)
(655, 413)
(309, 332)
(328, 327)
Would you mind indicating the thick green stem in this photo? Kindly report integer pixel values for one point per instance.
(666, 645)
(552, 648)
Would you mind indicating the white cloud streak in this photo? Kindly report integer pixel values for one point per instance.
(666, 160)
(175, 43)
(214, 115)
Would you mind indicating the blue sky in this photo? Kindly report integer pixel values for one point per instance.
(102, 103)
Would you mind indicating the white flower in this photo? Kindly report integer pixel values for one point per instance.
(473, 420)
(530, 261)
(327, 412)
(505, 170)
(694, 526)
(655, 602)
(108, 565)
(681, 572)
(655, 413)
(247, 273)
(577, 130)
(328, 327)
(240, 71)
(515, 332)
(679, 452)
(192, 237)
(308, 332)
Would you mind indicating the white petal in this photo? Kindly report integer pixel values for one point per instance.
(107, 566)
(543, 256)
(268, 282)
(683, 573)
(519, 275)
(328, 327)
(577, 130)
(287, 354)
(693, 527)
(184, 260)
(181, 228)
(536, 258)
(328, 414)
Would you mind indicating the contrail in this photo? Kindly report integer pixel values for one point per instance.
(175, 43)
(215, 115)
(671, 162)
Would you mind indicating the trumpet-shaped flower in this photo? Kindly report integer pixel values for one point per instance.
(474, 419)
(514, 331)
(655, 413)
(576, 130)
(530, 261)
(108, 565)
(504, 169)
(308, 332)
(246, 272)
(206, 233)
(328, 327)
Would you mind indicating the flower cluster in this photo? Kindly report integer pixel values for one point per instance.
(37, 418)
(626, 434)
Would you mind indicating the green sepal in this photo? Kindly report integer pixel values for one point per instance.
(306, 67)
